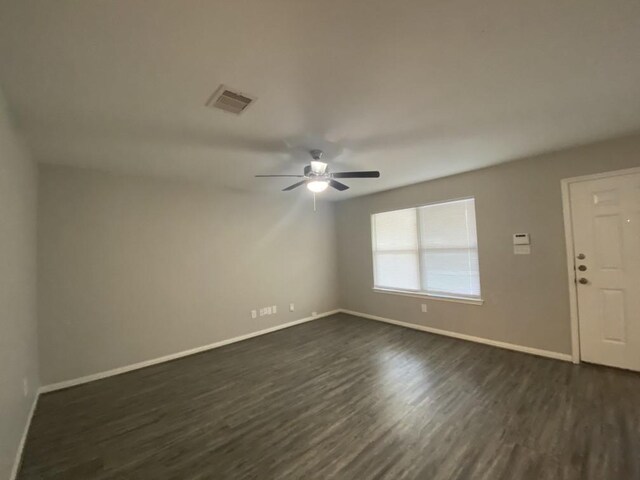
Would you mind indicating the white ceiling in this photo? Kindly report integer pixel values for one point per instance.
(417, 89)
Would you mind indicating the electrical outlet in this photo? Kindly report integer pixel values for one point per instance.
(268, 309)
(274, 309)
(424, 308)
(291, 307)
(254, 314)
(262, 312)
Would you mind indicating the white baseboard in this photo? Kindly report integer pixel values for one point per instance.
(23, 440)
(117, 371)
(486, 341)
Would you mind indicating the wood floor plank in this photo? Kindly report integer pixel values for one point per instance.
(344, 398)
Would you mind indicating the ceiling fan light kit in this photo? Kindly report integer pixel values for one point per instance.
(317, 177)
(317, 186)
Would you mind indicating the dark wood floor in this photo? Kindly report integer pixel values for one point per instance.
(344, 398)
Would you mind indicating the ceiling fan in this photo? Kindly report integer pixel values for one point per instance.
(317, 177)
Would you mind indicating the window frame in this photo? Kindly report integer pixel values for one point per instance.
(470, 300)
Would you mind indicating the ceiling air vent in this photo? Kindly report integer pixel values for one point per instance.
(229, 100)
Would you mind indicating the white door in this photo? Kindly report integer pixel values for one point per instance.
(605, 217)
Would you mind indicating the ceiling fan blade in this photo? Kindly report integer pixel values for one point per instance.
(338, 185)
(368, 174)
(295, 176)
(295, 185)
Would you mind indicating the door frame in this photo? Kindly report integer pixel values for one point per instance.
(568, 235)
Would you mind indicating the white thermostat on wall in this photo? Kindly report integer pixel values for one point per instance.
(521, 244)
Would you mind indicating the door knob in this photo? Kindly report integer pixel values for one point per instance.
(583, 281)
(581, 256)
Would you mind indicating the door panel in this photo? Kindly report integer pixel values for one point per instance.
(606, 230)
(608, 245)
(612, 317)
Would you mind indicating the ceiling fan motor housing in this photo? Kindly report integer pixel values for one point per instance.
(316, 169)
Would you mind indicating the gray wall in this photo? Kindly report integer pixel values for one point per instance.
(18, 340)
(526, 297)
(134, 268)
(131, 269)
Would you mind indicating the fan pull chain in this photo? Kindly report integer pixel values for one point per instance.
(314, 202)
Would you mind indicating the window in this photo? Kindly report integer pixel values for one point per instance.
(429, 250)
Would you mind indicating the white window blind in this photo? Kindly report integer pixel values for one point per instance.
(431, 249)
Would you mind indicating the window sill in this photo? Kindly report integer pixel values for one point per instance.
(467, 300)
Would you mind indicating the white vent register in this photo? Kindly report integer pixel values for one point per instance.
(230, 100)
